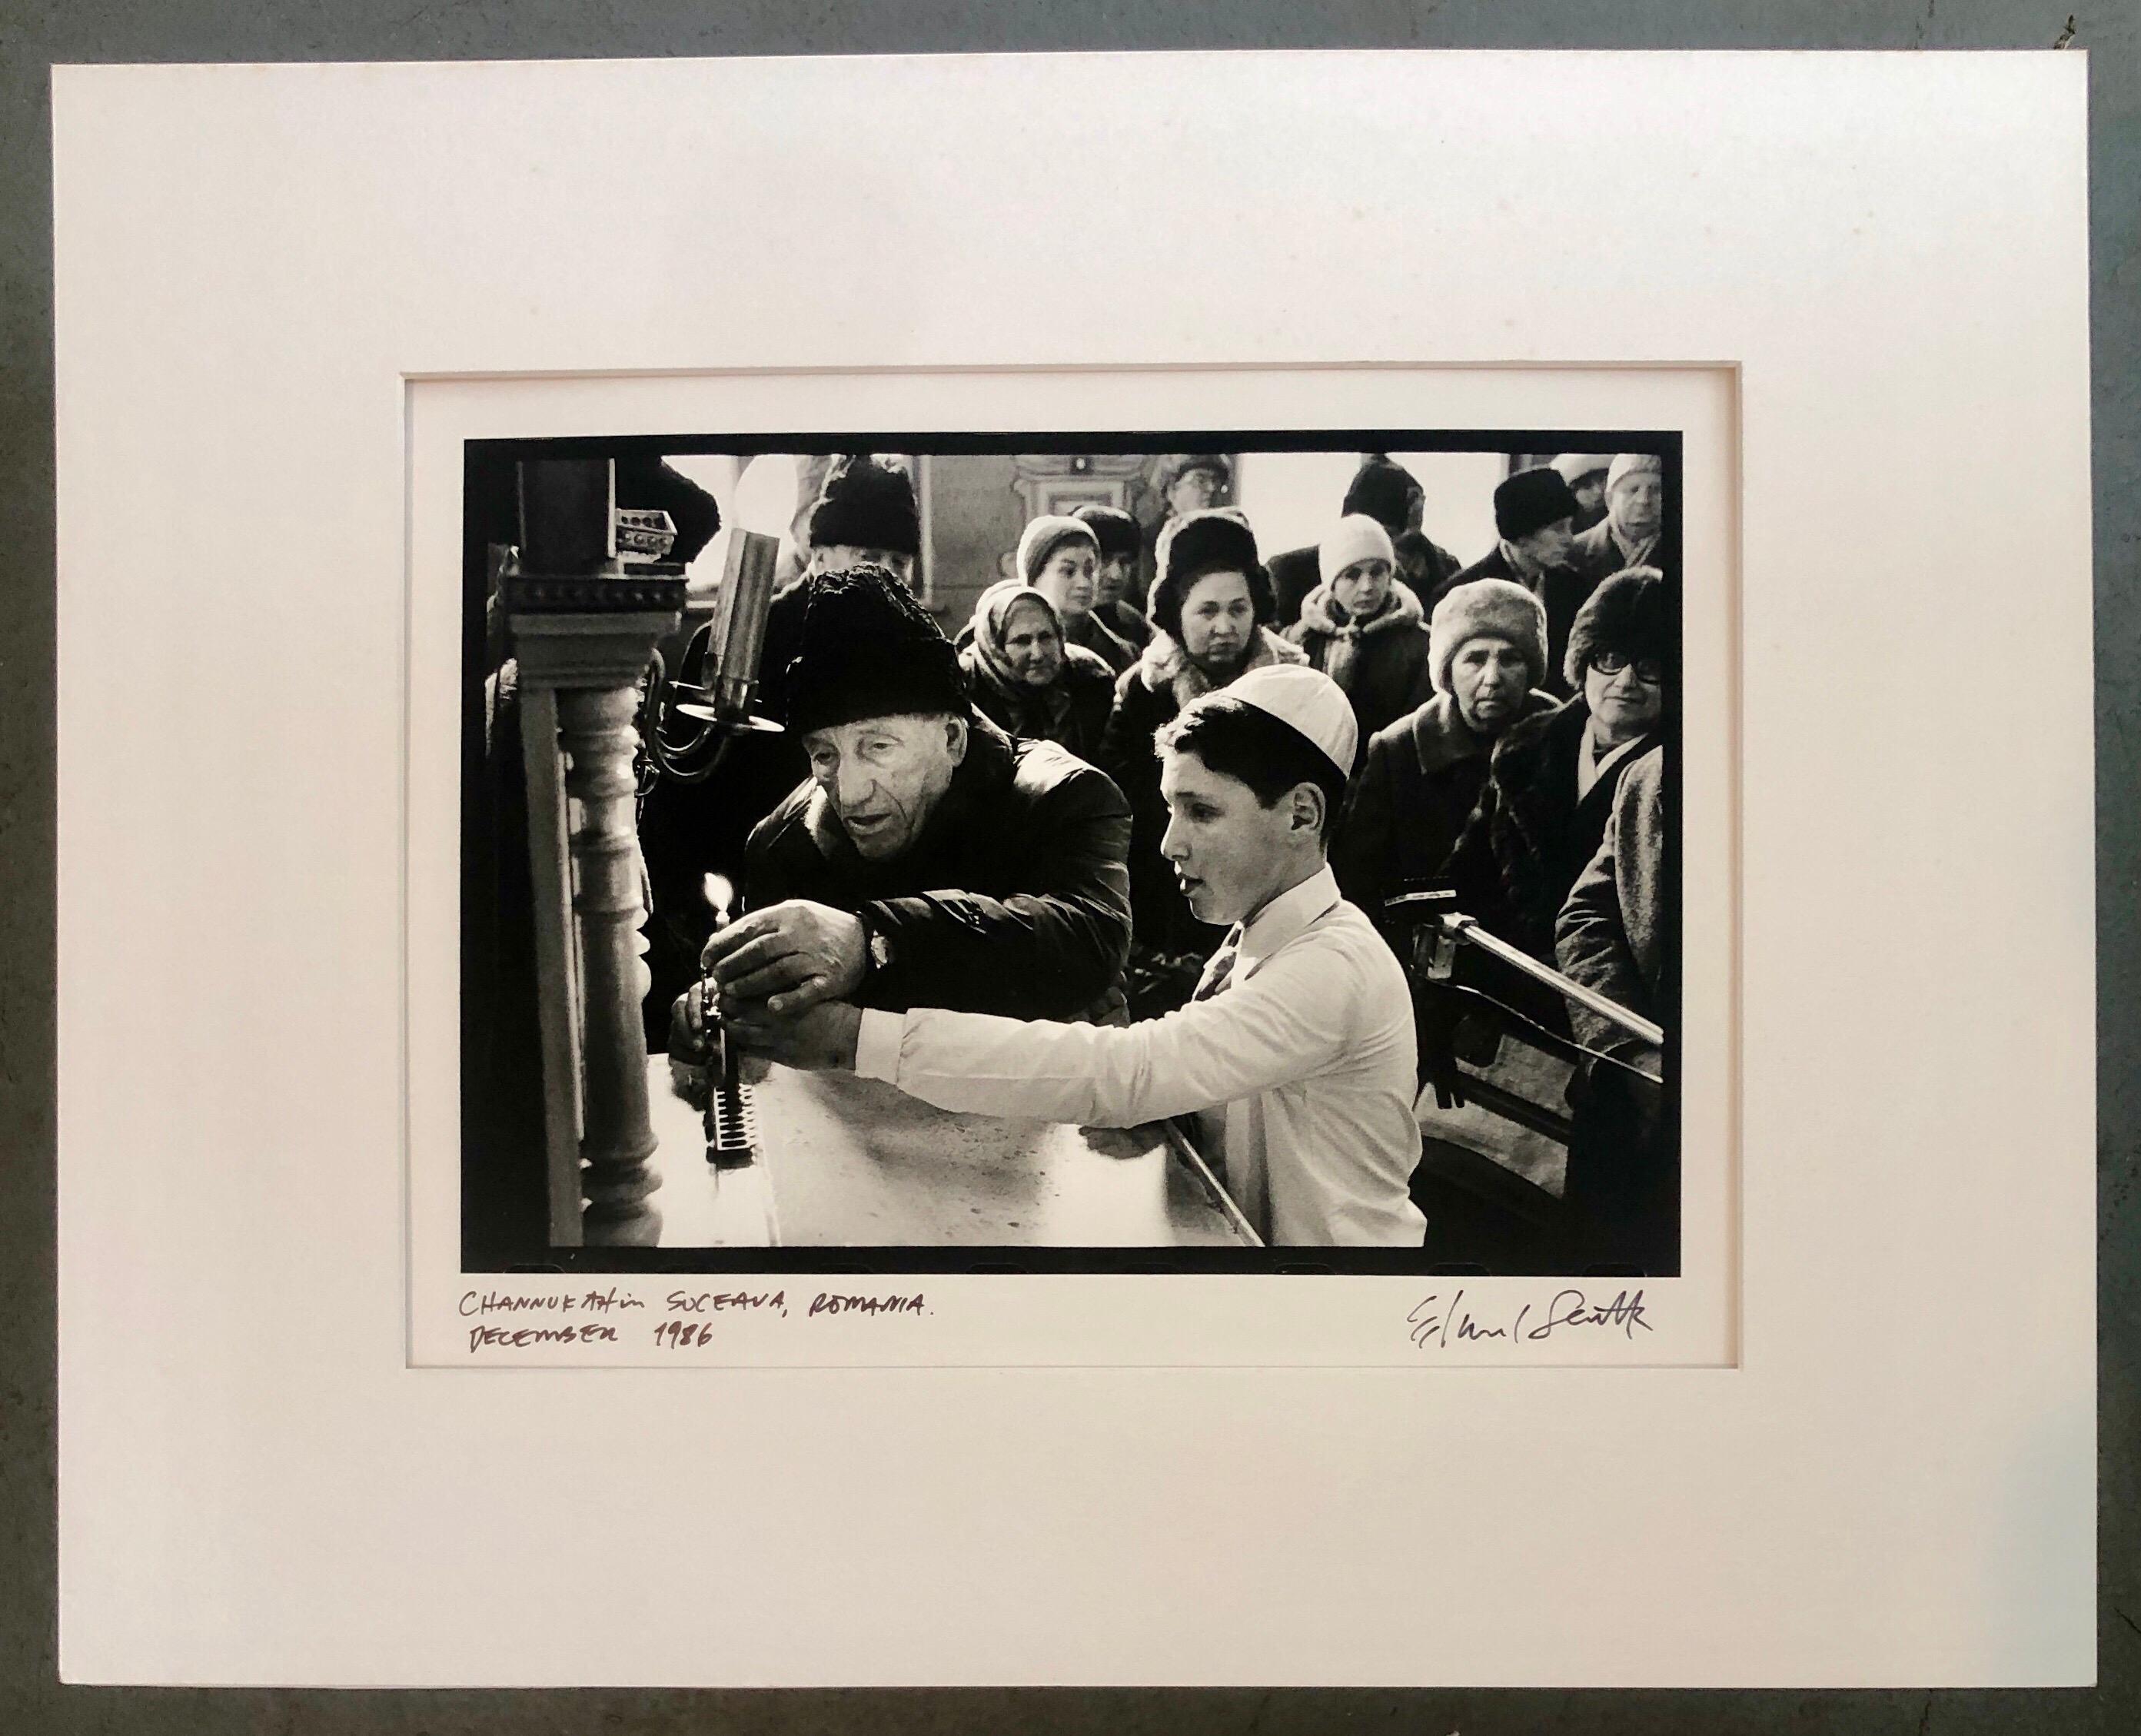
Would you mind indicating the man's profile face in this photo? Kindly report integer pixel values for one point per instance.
(1549, 546)
(845, 556)
(1115, 577)
(885, 775)
(1227, 850)
(1638, 505)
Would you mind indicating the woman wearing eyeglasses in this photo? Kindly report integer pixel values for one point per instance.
(1550, 783)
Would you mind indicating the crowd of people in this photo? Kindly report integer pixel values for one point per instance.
(1110, 857)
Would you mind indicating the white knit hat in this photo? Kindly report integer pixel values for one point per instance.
(1044, 535)
(1632, 464)
(1576, 465)
(1357, 538)
(1306, 700)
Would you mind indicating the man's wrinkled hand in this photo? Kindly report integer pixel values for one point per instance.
(820, 1039)
(790, 955)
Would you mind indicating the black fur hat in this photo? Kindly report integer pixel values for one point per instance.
(1626, 614)
(1218, 539)
(1387, 492)
(1114, 529)
(866, 503)
(1531, 501)
(869, 650)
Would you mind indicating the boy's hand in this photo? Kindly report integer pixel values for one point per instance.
(820, 1040)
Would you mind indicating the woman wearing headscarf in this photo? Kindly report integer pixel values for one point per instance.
(1060, 558)
(1362, 626)
(1022, 676)
(1210, 607)
(1421, 776)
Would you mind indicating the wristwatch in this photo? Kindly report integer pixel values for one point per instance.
(877, 947)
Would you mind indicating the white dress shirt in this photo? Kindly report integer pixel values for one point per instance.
(1305, 1062)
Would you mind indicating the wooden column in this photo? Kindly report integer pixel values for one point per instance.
(583, 639)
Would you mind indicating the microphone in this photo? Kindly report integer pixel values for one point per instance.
(738, 637)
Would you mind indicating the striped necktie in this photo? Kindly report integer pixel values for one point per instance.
(1220, 970)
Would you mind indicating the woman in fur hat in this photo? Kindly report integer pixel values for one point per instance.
(1422, 774)
(1551, 779)
(1021, 675)
(1362, 626)
(1210, 607)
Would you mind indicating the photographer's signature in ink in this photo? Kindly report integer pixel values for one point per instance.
(1435, 1324)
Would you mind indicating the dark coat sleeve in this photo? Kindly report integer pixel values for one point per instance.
(1361, 854)
(1473, 868)
(1051, 951)
(1125, 751)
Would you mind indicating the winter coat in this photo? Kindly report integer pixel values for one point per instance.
(1072, 710)
(1562, 591)
(1382, 664)
(1597, 556)
(1531, 836)
(1014, 900)
(1297, 572)
(1089, 632)
(1621, 1204)
(1610, 935)
(1148, 694)
(1417, 785)
(1126, 623)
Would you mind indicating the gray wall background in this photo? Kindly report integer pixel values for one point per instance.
(35, 33)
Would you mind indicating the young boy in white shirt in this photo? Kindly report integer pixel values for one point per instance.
(1296, 1052)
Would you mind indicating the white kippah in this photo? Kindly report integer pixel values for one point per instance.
(1631, 463)
(1357, 537)
(1309, 701)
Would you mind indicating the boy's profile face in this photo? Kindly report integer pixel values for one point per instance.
(1228, 851)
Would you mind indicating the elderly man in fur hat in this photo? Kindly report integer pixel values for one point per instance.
(1627, 536)
(1422, 773)
(1296, 1053)
(865, 514)
(1211, 608)
(928, 859)
(1534, 512)
(1362, 626)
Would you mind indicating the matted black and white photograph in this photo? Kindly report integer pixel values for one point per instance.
(1154, 851)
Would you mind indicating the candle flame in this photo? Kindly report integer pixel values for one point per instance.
(720, 895)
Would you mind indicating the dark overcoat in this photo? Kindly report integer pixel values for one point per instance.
(1014, 900)
(1417, 785)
